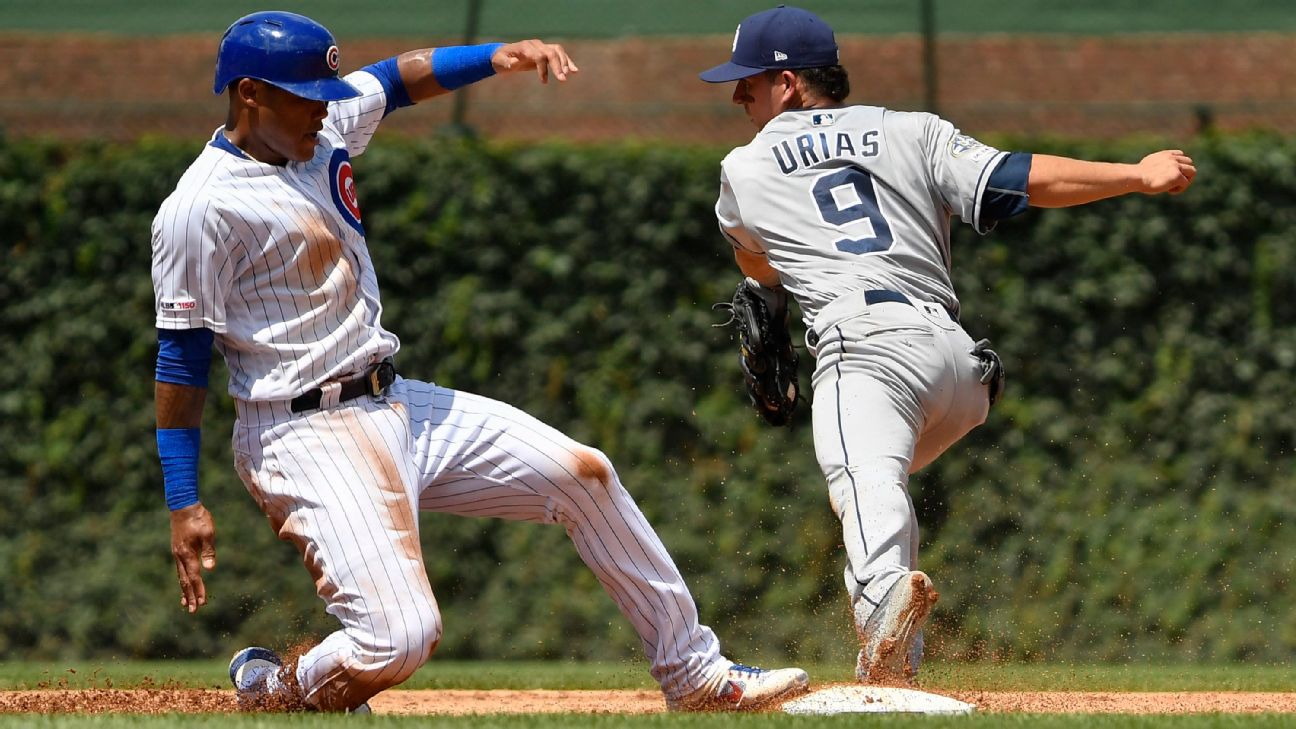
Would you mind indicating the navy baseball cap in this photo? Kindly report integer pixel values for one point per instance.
(784, 37)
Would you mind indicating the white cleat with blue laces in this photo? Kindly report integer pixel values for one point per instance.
(744, 688)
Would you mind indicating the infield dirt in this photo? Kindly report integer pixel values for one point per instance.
(461, 702)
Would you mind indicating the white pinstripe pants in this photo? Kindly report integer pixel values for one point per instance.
(342, 484)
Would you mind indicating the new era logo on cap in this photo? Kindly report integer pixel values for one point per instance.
(784, 37)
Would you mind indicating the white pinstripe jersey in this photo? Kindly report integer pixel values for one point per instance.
(852, 198)
(274, 260)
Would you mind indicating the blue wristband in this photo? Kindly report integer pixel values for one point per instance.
(458, 66)
(178, 450)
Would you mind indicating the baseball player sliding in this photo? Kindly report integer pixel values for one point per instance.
(261, 250)
(847, 208)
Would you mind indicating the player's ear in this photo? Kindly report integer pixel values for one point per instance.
(247, 92)
(792, 91)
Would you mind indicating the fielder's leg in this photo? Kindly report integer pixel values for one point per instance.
(893, 389)
(870, 380)
(866, 422)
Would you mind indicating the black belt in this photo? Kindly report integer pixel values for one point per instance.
(878, 296)
(374, 381)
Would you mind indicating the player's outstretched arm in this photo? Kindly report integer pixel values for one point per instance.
(193, 532)
(430, 72)
(1059, 182)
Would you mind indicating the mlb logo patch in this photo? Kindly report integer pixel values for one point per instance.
(181, 304)
(821, 120)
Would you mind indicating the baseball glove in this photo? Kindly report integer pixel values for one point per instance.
(768, 361)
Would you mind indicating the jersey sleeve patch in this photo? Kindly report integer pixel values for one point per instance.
(961, 146)
(184, 303)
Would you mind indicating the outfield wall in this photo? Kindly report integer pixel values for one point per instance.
(1174, 85)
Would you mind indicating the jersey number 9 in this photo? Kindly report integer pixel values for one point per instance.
(847, 197)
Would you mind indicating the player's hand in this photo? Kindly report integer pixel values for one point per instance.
(545, 58)
(193, 544)
(1169, 170)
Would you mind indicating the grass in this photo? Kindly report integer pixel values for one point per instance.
(434, 675)
(608, 18)
(438, 674)
(569, 675)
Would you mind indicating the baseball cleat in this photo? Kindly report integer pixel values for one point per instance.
(744, 688)
(255, 673)
(889, 636)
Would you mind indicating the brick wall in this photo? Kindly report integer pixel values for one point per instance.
(121, 88)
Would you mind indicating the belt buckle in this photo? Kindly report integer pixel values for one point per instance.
(376, 386)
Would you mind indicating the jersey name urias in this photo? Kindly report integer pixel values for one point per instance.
(852, 198)
(273, 258)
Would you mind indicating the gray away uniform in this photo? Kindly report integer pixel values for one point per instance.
(852, 207)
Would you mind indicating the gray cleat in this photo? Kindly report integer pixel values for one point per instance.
(891, 637)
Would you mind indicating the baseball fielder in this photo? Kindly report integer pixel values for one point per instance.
(261, 250)
(847, 208)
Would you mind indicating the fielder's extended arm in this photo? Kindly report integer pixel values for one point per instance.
(1059, 182)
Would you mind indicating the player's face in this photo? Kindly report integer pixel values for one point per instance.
(761, 96)
(288, 125)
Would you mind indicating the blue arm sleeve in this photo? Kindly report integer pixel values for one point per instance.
(184, 356)
(1005, 194)
(388, 74)
(178, 451)
(458, 66)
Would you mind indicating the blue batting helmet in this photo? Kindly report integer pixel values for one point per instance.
(286, 50)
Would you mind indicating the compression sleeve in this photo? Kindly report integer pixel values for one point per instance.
(1005, 193)
(184, 356)
(458, 66)
(388, 74)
